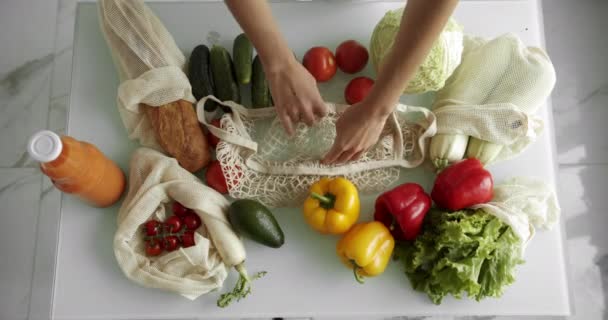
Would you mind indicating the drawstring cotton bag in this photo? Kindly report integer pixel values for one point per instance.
(524, 204)
(260, 161)
(495, 92)
(156, 180)
(149, 64)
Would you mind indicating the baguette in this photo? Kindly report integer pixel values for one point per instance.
(179, 133)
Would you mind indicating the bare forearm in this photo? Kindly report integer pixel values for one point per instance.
(421, 24)
(256, 20)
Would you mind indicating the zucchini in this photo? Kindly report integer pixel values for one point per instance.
(242, 52)
(260, 92)
(484, 151)
(199, 74)
(226, 88)
(446, 149)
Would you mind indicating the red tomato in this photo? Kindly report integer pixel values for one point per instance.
(151, 227)
(154, 247)
(171, 243)
(179, 210)
(173, 224)
(188, 239)
(351, 56)
(215, 177)
(357, 89)
(213, 140)
(320, 62)
(192, 221)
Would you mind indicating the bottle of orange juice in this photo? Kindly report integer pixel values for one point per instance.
(78, 168)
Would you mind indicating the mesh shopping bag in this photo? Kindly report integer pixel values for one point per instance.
(260, 161)
(494, 94)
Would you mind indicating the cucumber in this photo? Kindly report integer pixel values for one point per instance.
(226, 88)
(260, 92)
(242, 52)
(253, 220)
(199, 74)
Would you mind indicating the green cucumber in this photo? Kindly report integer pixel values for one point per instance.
(199, 74)
(226, 88)
(253, 220)
(242, 52)
(260, 92)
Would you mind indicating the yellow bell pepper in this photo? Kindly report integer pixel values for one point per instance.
(333, 205)
(366, 248)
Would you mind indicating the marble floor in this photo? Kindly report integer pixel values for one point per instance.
(35, 64)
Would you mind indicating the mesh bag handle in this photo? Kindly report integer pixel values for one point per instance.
(242, 139)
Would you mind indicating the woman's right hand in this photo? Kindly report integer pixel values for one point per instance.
(295, 93)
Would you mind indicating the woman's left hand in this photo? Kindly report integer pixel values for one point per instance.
(357, 130)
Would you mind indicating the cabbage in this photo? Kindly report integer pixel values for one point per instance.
(466, 251)
(441, 61)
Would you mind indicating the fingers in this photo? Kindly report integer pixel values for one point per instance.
(345, 156)
(342, 155)
(308, 117)
(286, 121)
(332, 155)
(357, 155)
(303, 113)
(319, 108)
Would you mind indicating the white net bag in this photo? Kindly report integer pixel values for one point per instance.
(494, 93)
(154, 181)
(260, 161)
(149, 63)
(525, 204)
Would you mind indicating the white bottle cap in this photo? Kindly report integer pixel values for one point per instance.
(44, 146)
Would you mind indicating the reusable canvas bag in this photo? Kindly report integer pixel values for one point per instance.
(154, 181)
(525, 204)
(149, 63)
(495, 92)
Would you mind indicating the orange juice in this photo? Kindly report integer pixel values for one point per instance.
(78, 168)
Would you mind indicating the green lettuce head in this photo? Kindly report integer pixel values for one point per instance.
(467, 252)
(443, 58)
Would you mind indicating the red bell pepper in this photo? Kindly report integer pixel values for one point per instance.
(402, 210)
(463, 184)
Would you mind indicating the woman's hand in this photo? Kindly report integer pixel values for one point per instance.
(360, 126)
(295, 94)
(357, 130)
(293, 89)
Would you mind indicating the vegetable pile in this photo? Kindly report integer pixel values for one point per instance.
(463, 252)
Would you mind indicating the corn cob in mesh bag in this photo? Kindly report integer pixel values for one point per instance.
(260, 161)
(486, 108)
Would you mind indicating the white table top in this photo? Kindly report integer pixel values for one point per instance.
(89, 284)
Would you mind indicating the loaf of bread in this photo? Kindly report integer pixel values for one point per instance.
(179, 133)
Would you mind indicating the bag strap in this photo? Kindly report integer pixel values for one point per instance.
(428, 128)
(242, 139)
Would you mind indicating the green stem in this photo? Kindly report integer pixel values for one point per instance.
(440, 164)
(323, 199)
(242, 287)
(358, 277)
